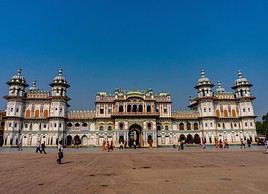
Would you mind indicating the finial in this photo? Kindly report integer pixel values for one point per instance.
(34, 84)
(219, 83)
(239, 74)
(60, 72)
(19, 71)
(203, 73)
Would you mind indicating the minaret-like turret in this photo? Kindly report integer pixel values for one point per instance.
(219, 88)
(242, 86)
(34, 86)
(59, 105)
(15, 108)
(204, 86)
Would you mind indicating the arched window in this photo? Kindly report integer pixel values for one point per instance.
(69, 125)
(84, 125)
(129, 108)
(225, 113)
(77, 125)
(149, 126)
(195, 126)
(28, 113)
(148, 108)
(218, 114)
(101, 128)
(36, 114)
(109, 128)
(140, 108)
(166, 127)
(135, 108)
(219, 125)
(46, 113)
(181, 126)
(233, 113)
(188, 126)
(121, 108)
(159, 127)
(121, 126)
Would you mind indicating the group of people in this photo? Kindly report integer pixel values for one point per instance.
(243, 144)
(40, 147)
(107, 146)
(222, 143)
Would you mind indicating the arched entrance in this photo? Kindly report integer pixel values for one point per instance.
(135, 135)
(84, 140)
(77, 140)
(69, 140)
(189, 139)
(197, 139)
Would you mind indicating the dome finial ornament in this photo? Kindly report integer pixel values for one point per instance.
(19, 72)
(203, 75)
(60, 72)
(239, 74)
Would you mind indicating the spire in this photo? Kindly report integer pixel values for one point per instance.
(219, 88)
(203, 80)
(241, 81)
(203, 74)
(34, 86)
(60, 72)
(239, 74)
(19, 71)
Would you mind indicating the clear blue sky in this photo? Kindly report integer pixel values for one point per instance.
(162, 45)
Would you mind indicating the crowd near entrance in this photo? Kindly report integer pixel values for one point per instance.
(135, 136)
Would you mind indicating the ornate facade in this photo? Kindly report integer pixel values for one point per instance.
(143, 116)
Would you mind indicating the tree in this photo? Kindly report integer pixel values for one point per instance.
(262, 127)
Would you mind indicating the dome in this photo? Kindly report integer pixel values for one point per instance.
(60, 80)
(241, 81)
(203, 81)
(18, 79)
(219, 88)
(34, 86)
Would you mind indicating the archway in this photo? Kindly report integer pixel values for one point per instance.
(84, 140)
(189, 139)
(135, 134)
(182, 137)
(197, 139)
(69, 140)
(77, 140)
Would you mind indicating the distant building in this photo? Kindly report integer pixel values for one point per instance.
(143, 116)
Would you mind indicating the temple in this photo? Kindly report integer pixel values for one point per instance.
(143, 116)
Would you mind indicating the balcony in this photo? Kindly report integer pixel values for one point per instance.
(135, 114)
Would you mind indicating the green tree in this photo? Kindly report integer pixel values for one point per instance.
(262, 127)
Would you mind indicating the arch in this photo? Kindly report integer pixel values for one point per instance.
(121, 126)
(188, 126)
(140, 108)
(195, 126)
(101, 128)
(46, 113)
(129, 108)
(135, 135)
(149, 125)
(225, 113)
(69, 125)
(166, 127)
(84, 140)
(37, 114)
(233, 113)
(121, 108)
(182, 137)
(189, 139)
(77, 140)
(159, 127)
(135, 108)
(218, 114)
(69, 140)
(77, 125)
(28, 113)
(109, 128)
(197, 139)
(181, 126)
(84, 125)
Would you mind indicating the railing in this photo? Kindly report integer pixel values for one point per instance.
(136, 114)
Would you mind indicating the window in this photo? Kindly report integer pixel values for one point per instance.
(165, 110)
(166, 127)
(109, 128)
(11, 110)
(121, 108)
(218, 113)
(69, 125)
(84, 125)
(149, 126)
(244, 110)
(211, 124)
(110, 110)
(28, 113)
(219, 125)
(246, 124)
(60, 110)
(17, 110)
(37, 114)
(205, 110)
(159, 127)
(55, 125)
(209, 109)
(101, 128)
(195, 126)
(157, 109)
(225, 113)
(121, 126)
(77, 125)
(251, 124)
(46, 113)
(149, 108)
(45, 126)
(15, 125)
(248, 109)
(26, 125)
(134, 108)
(101, 111)
(140, 108)
(60, 125)
(206, 125)
(10, 124)
(188, 126)
(181, 126)
(129, 108)
(233, 113)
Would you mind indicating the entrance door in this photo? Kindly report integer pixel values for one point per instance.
(134, 135)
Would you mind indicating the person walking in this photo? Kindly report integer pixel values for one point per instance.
(112, 145)
(121, 147)
(249, 143)
(242, 144)
(135, 145)
(20, 145)
(60, 152)
(38, 147)
(179, 145)
(43, 146)
(108, 146)
(226, 144)
(266, 146)
(182, 145)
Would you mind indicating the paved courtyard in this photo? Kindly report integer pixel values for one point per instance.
(135, 171)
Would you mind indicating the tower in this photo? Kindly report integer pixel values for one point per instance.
(15, 108)
(244, 100)
(219, 88)
(58, 107)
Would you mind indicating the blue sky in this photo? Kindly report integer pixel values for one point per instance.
(102, 45)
